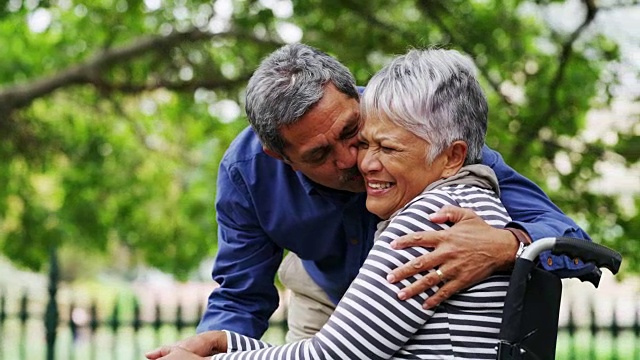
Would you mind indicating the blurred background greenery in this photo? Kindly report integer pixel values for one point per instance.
(115, 113)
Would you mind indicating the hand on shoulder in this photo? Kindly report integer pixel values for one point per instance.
(468, 252)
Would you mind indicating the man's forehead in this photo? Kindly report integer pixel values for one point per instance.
(324, 123)
(317, 135)
(321, 126)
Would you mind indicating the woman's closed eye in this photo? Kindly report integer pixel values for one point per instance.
(387, 149)
(363, 144)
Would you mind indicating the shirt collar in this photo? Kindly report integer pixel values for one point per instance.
(308, 185)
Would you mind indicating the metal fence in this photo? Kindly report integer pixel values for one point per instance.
(32, 329)
(86, 333)
(120, 334)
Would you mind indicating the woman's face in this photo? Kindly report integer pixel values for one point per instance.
(393, 162)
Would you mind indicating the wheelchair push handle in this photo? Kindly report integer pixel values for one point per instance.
(587, 251)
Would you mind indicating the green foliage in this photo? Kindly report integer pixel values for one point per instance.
(114, 116)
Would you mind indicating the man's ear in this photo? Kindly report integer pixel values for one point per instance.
(456, 154)
(273, 154)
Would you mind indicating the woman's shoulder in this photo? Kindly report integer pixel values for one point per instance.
(431, 201)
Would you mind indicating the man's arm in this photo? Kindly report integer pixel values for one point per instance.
(457, 253)
(245, 265)
(529, 207)
(532, 211)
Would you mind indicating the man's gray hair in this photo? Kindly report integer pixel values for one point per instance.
(435, 95)
(287, 84)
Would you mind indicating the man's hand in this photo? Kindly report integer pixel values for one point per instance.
(202, 345)
(465, 254)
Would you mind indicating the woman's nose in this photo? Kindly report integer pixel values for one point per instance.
(367, 161)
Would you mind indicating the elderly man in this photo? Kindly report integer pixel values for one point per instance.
(290, 182)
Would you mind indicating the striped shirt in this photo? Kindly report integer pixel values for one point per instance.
(370, 322)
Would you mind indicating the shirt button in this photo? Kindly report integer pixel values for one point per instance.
(354, 241)
(549, 261)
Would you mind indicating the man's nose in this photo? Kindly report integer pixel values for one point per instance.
(347, 154)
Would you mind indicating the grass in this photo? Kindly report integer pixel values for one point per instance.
(17, 342)
(603, 346)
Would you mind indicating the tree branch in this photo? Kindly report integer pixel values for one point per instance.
(619, 6)
(565, 55)
(563, 60)
(372, 19)
(21, 95)
(132, 88)
(426, 6)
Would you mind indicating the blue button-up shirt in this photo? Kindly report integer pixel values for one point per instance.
(264, 208)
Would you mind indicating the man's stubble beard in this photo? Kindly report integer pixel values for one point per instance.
(352, 180)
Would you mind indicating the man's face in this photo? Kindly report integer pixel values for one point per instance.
(323, 143)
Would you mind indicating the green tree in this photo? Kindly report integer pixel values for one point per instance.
(114, 113)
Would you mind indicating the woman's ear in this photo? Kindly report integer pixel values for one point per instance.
(456, 155)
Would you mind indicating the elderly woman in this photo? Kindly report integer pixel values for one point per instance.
(420, 146)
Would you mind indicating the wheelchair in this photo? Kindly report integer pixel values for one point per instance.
(529, 327)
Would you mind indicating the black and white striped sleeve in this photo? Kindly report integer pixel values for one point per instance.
(370, 322)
